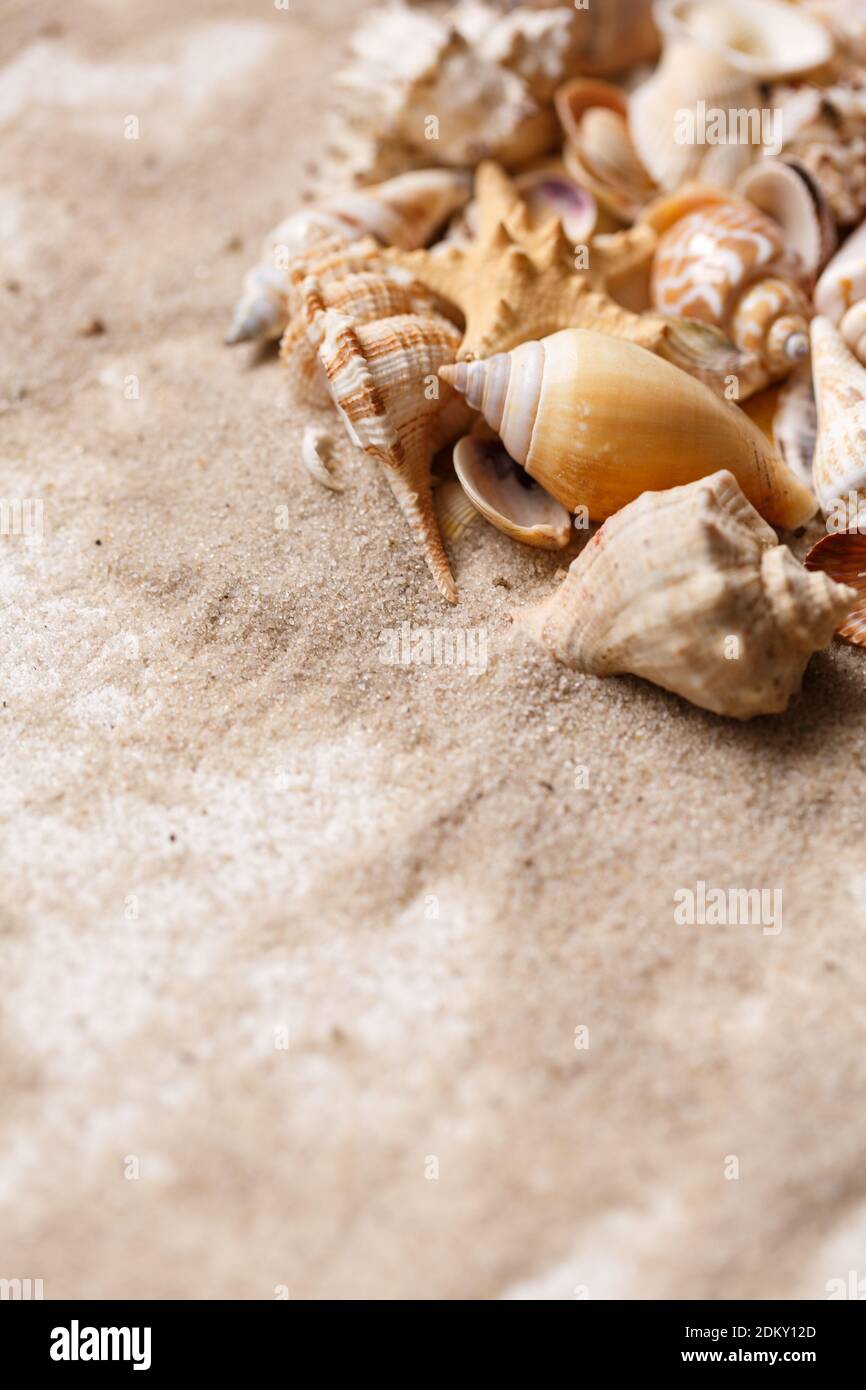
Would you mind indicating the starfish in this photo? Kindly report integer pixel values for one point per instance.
(517, 281)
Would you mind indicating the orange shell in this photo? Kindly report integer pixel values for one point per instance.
(842, 556)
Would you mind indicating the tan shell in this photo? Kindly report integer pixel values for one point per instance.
(599, 153)
(405, 212)
(506, 495)
(593, 38)
(515, 281)
(843, 557)
(839, 473)
(787, 193)
(689, 589)
(722, 261)
(846, 21)
(596, 421)
(825, 131)
(795, 423)
(380, 376)
(841, 292)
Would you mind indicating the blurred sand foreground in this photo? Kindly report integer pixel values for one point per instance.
(228, 826)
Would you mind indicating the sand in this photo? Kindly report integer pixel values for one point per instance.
(301, 951)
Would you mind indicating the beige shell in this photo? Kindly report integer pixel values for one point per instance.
(381, 377)
(846, 21)
(841, 292)
(507, 497)
(596, 421)
(842, 556)
(410, 68)
(714, 55)
(405, 212)
(380, 293)
(795, 423)
(562, 38)
(839, 473)
(721, 260)
(689, 589)
(516, 281)
(549, 191)
(787, 193)
(825, 131)
(599, 153)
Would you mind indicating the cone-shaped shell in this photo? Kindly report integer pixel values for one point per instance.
(841, 292)
(597, 421)
(839, 472)
(689, 589)
(843, 557)
(380, 376)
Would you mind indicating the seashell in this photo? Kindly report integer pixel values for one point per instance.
(407, 65)
(842, 556)
(688, 588)
(787, 193)
(589, 38)
(599, 153)
(549, 191)
(795, 423)
(713, 57)
(722, 261)
(379, 375)
(825, 131)
(515, 282)
(366, 296)
(404, 212)
(596, 421)
(504, 493)
(316, 444)
(839, 472)
(841, 292)
(454, 511)
(846, 21)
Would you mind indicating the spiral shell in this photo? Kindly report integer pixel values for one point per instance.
(380, 376)
(596, 421)
(722, 261)
(689, 589)
(403, 212)
(840, 294)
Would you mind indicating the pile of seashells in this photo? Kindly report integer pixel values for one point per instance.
(640, 302)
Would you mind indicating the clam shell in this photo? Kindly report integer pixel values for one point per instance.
(689, 589)
(843, 557)
(504, 493)
(599, 153)
(788, 194)
(596, 421)
(549, 191)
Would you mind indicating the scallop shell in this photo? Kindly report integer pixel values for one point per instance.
(382, 377)
(599, 153)
(507, 497)
(689, 589)
(454, 511)
(596, 421)
(404, 212)
(841, 292)
(839, 473)
(843, 557)
(724, 262)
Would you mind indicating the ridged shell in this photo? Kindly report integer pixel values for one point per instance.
(843, 557)
(596, 421)
(381, 376)
(689, 589)
(404, 212)
(841, 292)
(839, 473)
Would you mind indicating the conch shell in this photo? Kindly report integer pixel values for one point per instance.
(839, 471)
(842, 556)
(841, 292)
(596, 421)
(689, 589)
(714, 56)
(599, 153)
(382, 378)
(517, 280)
(722, 261)
(405, 212)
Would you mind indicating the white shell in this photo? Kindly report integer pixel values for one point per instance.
(841, 292)
(839, 471)
(689, 589)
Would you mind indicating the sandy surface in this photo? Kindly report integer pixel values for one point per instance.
(224, 817)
